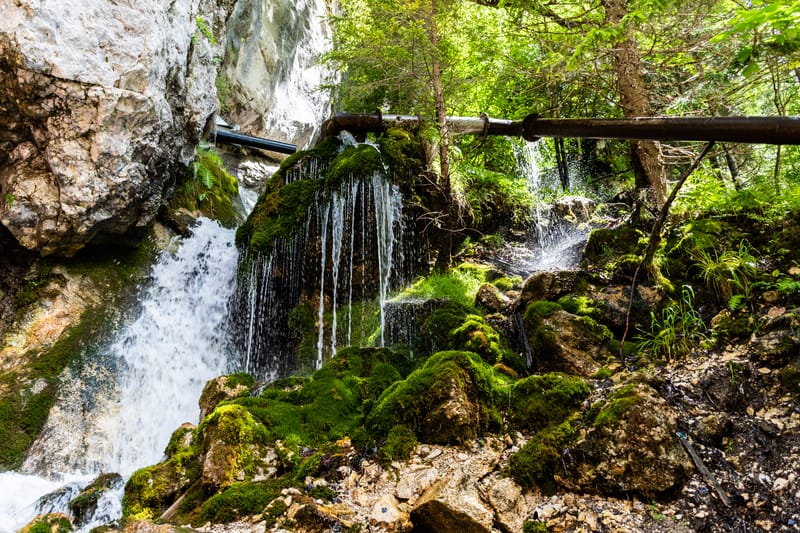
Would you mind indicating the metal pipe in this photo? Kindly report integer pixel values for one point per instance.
(231, 137)
(755, 130)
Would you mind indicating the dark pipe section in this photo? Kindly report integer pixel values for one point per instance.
(756, 130)
(230, 137)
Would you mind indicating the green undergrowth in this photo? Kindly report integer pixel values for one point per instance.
(208, 188)
(459, 285)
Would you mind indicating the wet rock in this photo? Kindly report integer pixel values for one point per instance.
(490, 298)
(308, 517)
(452, 505)
(224, 388)
(84, 505)
(547, 286)
(632, 447)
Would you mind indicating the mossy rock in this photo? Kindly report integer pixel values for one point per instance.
(451, 399)
(540, 401)
(563, 342)
(457, 327)
(208, 188)
(614, 253)
(535, 464)
(151, 490)
(239, 501)
(83, 506)
(224, 388)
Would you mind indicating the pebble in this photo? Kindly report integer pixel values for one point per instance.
(780, 484)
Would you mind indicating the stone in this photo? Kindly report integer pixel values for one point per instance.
(566, 343)
(387, 514)
(452, 505)
(546, 286)
(223, 388)
(490, 298)
(103, 103)
(509, 504)
(632, 447)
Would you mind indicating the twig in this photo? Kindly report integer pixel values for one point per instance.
(702, 468)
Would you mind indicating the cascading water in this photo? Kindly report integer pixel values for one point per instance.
(117, 412)
(348, 250)
(556, 235)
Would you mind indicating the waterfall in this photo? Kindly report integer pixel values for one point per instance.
(348, 251)
(118, 409)
(557, 229)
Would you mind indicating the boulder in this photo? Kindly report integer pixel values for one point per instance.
(233, 451)
(452, 505)
(563, 342)
(547, 286)
(443, 402)
(632, 447)
(102, 103)
(490, 298)
(224, 388)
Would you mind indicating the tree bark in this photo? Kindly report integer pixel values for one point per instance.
(439, 104)
(634, 97)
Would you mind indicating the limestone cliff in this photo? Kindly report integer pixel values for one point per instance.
(102, 103)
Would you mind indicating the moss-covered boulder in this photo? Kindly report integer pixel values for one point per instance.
(449, 400)
(631, 447)
(224, 388)
(563, 342)
(613, 253)
(454, 326)
(236, 447)
(150, 491)
(548, 286)
(539, 401)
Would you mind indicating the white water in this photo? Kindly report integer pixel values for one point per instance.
(553, 242)
(149, 380)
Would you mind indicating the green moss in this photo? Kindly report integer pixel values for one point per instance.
(539, 310)
(535, 463)
(400, 444)
(360, 160)
(240, 500)
(455, 326)
(529, 526)
(582, 306)
(603, 373)
(240, 379)
(322, 492)
(49, 523)
(613, 409)
(409, 402)
(538, 401)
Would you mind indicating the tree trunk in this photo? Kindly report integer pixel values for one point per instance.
(439, 104)
(635, 102)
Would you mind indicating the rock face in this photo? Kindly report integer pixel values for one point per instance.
(273, 52)
(99, 106)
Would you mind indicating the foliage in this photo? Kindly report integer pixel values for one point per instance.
(677, 331)
(729, 273)
(458, 285)
(209, 188)
(400, 443)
